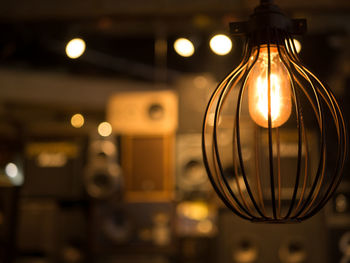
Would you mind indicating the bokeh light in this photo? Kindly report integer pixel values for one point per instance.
(104, 129)
(75, 48)
(184, 47)
(77, 120)
(220, 44)
(11, 170)
(297, 45)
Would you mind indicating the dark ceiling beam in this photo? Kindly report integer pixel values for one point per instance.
(64, 9)
(41, 9)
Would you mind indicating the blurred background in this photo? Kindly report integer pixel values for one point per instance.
(101, 107)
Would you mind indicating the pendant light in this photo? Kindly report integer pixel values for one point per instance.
(274, 138)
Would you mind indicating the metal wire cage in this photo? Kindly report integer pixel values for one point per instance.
(274, 137)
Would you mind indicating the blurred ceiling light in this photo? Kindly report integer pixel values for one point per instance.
(104, 129)
(11, 170)
(75, 48)
(184, 47)
(77, 120)
(220, 44)
(297, 45)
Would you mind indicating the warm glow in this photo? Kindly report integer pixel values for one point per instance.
(221, 44)
(104, 129)
(280, 90)
(77, 120)
(51, 159)
(193, 210)
(184, 47)
(75, 48)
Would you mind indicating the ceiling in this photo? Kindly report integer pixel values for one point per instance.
(41, 86)
(43, 9)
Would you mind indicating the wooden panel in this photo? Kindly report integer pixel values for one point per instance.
(147, 164)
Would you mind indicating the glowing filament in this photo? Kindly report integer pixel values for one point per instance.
(259, 90)
(263, 100)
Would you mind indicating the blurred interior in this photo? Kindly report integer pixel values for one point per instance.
(100, 156)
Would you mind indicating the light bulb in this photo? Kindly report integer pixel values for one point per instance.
(258, 89)
(270, 100)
